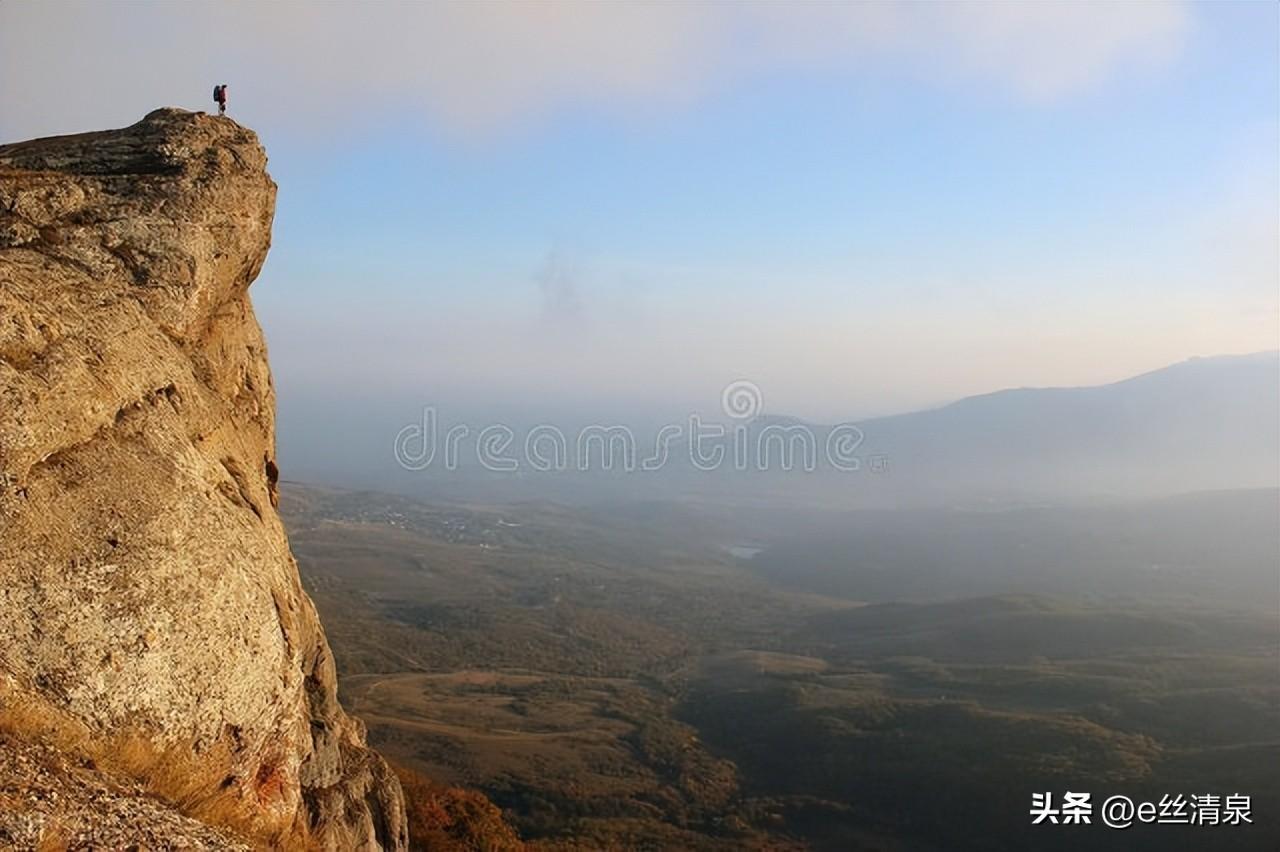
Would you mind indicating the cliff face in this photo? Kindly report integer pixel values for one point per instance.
(146, 583)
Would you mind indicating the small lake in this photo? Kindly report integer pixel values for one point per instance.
(743, 551)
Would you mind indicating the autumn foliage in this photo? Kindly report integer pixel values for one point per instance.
(450, 819)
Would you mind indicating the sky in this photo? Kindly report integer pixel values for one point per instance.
(610, 208)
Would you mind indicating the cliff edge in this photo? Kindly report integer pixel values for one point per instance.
(152, 617)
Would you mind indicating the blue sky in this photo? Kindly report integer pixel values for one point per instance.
(862, 209)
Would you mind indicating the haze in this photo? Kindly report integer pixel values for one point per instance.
(601, 211)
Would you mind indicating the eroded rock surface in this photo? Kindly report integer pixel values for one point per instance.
(146, 581)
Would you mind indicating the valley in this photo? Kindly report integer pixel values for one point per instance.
(618, 678)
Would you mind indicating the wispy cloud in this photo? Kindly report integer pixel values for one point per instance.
(478, 67)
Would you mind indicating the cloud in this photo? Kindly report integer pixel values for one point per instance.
(475, 68)
(1044, 51)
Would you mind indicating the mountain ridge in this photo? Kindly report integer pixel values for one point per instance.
(1248, 358)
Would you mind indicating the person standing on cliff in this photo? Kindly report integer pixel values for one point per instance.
(220, 97)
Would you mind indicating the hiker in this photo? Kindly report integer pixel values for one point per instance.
(220, 97)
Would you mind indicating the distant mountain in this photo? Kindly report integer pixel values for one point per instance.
(1205, 423)
(1200, 425)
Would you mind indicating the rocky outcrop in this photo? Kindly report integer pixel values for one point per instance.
(146, 583)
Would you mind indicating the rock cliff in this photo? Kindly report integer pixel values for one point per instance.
(147, 591)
